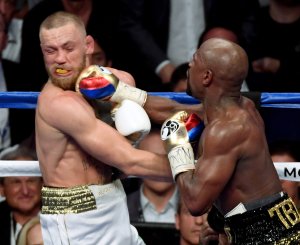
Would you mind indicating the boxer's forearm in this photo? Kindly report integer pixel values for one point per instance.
(98, 83)
(160, 108)
(145, 164)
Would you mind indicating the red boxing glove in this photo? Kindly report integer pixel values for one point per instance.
(98, 83)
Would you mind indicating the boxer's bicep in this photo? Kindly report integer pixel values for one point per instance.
(214, 168)
(219, 158)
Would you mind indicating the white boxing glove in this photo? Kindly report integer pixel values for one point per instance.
(132, 121)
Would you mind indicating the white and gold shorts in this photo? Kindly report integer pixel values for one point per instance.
(91, 214)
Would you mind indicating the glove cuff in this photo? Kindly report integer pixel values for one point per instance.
(181, 159)
(125, 91)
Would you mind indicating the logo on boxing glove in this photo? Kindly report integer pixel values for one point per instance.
(177, 133)
(169, 128)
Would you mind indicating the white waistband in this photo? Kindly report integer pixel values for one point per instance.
(240, 208)
(100, 190)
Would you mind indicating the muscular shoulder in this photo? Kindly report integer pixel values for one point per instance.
(54, 104)
(229, 131)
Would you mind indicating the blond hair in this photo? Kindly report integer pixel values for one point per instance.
(62, 18)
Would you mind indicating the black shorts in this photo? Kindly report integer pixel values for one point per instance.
(275, 223)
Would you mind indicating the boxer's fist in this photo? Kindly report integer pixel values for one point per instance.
(131, 121)
(97, 82)
(176, 133)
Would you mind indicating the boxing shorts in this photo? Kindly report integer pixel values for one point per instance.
(274, 222)
(88, 214)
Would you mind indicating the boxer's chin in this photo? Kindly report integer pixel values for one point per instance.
(64, 83)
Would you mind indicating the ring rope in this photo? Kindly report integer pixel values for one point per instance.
(286, 170)
(28, 100)
(19, 168)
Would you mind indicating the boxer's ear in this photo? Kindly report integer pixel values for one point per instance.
(89, 41)
(207, 78)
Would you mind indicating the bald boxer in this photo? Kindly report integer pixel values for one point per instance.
(234, 171)
(83, 202)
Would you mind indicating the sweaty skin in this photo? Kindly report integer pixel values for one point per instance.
(234, 163)
(73, 146)
(76, 148)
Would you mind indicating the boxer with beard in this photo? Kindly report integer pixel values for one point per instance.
(83, 203)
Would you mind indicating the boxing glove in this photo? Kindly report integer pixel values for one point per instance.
(176, 133)
(131, 121)
(194, 126)
(97, 82)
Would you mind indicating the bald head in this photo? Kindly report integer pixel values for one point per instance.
(227, 60)
(220, 32)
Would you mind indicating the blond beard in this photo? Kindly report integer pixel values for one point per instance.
(68, 83)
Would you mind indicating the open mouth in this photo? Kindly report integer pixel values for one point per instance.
(61, 71)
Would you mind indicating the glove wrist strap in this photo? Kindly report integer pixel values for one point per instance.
(181, 159)
(125, 91)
